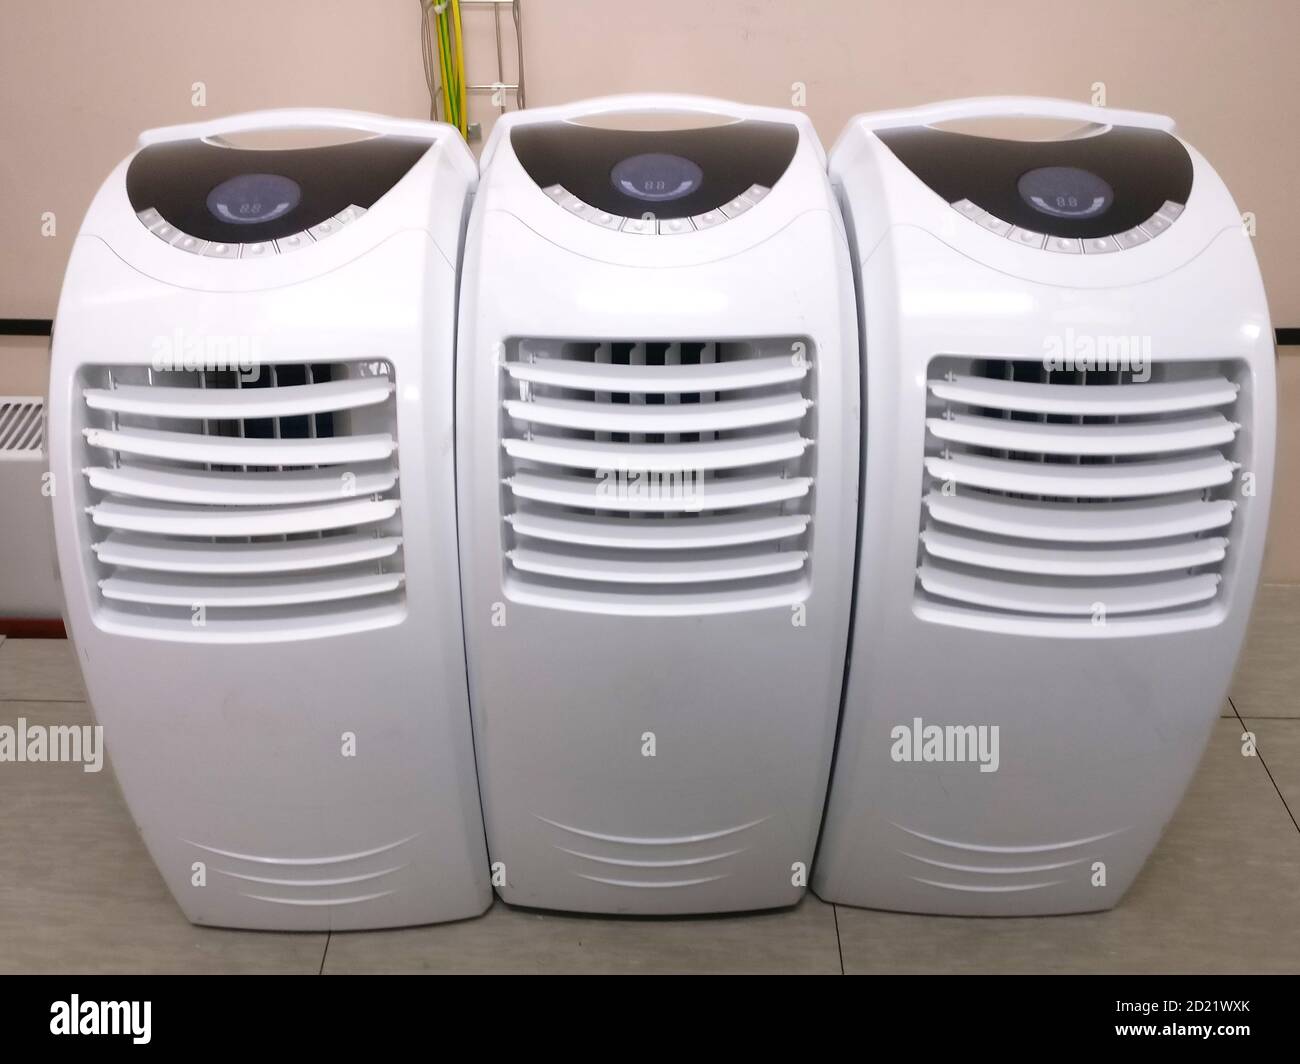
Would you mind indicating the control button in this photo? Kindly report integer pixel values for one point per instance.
(708, 219)
(735, 208)
(576, 206)
(293, 242)
(639, 225)
(326, 228)
(1156, 224)
(192, 244)
(1027, 237)
(349, 214)
(168, 234)
(1066, 244)
(969, 209)
(675, 225)
(261, 250)
(150, 218)
(556, 192)
(1100, 245)
(993, 224)
(755, 193)
(604, 219)
(1131, 238)
(221, 251)
(1171, 210)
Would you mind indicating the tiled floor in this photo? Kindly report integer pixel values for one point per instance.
(1221, 893)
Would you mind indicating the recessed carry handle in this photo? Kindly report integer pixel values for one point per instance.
(649, 103)
(297, 118)
(1014, 107)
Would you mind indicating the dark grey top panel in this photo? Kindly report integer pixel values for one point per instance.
(197, 186)
(1091, 187)
(687, 172)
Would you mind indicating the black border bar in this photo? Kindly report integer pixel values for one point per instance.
(30, 326)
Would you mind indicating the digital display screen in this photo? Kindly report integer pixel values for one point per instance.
(656, 177)
(1066, 192)
(251, 198)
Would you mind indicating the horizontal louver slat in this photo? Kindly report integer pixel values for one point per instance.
(658, 458)
(1087, 600)
(247, 402)
(1096, 400)
(265, 625)
(624, 417)
(188, 556)
(1122, 480)
(698, 603)
(1076, 561)
(666, 569)
(240, 451)
(705, 377)
(133, 516)
(232, 592)
(242, 489)
(687, 495)
(1070, 523)
(1126, 438)
(658, 533)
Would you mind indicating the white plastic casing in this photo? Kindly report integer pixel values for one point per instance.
(1101, 726)
(741, 705)
(232, 756)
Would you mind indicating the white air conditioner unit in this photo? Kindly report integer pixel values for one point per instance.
(1068, 462)
(657, 473)
(29, 582)
(251, 436)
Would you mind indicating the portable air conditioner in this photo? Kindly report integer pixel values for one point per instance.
(251, 433)
(1069, 453)
(29, 583)
(657, 432)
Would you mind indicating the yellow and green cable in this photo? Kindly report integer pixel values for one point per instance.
(445, 15)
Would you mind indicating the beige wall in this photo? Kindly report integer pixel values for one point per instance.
(79, 79)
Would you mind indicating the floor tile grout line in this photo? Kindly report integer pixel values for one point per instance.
(325, 952)
(1259, 754)
(75, 701)
(839, 944)
(1258, 716)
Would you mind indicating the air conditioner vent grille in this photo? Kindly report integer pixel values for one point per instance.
(1077, 495)
(226, 506)
(657, 477)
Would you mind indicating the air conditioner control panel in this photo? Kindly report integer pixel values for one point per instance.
(169, 234)
(1091, 194)
(647, 224)
(656, 181)
(1071, 245)
(219, 201)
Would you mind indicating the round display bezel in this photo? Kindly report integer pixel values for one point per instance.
(678, 175)
(283, 192)
(1044, 187)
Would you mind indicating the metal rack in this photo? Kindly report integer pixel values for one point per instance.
(501, 86)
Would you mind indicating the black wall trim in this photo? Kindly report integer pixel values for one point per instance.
(39, 327)
(1285, 336)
